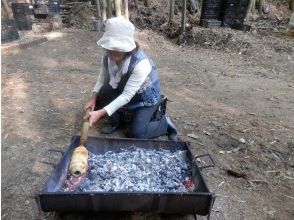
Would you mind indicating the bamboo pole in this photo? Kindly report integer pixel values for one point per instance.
(85, 128)
(79, 161)
(184, 11)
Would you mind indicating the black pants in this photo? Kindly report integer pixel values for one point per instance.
(142, 123)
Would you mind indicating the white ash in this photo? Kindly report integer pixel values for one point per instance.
(137, 169)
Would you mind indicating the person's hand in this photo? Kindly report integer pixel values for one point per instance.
(95, 116)
(91, 103)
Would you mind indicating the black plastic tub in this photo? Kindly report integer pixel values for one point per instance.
(197, 202)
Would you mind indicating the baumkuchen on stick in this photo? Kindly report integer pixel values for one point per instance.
(79, 160)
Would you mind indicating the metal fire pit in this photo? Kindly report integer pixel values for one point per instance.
(199, 202)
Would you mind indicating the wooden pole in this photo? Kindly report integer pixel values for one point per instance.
(184, 11)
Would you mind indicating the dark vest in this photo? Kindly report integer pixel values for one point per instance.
(149, 92)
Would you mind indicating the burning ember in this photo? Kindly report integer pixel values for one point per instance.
(71, 183)
(135, 169)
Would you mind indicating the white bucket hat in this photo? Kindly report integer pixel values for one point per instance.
(118, 36)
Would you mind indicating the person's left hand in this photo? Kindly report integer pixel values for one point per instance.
(95, 116)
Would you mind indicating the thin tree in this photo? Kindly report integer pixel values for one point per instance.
(98, 11)
(103, 10)
(251, 5)
(260, 4)
(7, 9)
(117, 5)
(109, 8)
(126, 7)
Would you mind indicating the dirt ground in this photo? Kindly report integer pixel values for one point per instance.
(235, 97)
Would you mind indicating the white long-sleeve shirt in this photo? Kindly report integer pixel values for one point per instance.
(139, 75)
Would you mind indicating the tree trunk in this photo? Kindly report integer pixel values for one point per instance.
(184, 11)
(171, 10)
(253, 7)
(98, 11)
(7, 9)
(260, 4)
(103, 10)
(117, 4)
(109, 8)
(126, 6)
(249, 9)
(291, 5)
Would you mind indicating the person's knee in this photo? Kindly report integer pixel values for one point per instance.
(138, 132)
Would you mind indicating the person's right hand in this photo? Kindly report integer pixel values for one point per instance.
(90, 104)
